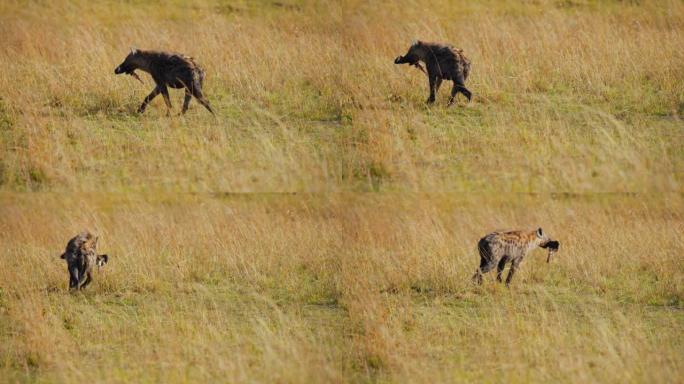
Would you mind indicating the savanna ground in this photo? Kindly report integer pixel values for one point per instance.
(323, 226)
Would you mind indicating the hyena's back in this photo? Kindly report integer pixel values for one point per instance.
(450, 61)
(177, 70)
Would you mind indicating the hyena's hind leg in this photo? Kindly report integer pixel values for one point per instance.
(485, 266)
(196, 90)
(487, 261)
(500, 267)
(459, 86)
(200, 99)
(186, 101)
(477, 277)
(167, 99)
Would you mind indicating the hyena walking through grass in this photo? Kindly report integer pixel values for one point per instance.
(81, 256)
(167, 70)
(443, 62)
(499, 248)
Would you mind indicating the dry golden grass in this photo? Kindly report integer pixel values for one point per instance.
(363, 274)
(341, 288)
(568, 98)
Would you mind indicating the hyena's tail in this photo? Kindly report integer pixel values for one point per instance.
(198, 78)
(466, 69)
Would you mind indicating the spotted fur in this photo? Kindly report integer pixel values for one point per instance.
(167, 69)
(501, 247)
(443, 62)
(81, 256)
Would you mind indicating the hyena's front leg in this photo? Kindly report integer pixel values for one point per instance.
(87, 280)
(149, 98)
(514, 266)
(73, 277)
(433, 89)
(84, 278)
(438, 83)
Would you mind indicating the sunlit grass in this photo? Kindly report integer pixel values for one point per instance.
(567, 98)
(323, 226)
(341, 288)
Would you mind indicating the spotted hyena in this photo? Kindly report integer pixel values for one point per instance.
(167, 69)
(501, 247)
(443, 62)
(81, 256)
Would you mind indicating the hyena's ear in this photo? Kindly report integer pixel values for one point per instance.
(102, 260)
(134, 50)
(415, 42)
(540, 233)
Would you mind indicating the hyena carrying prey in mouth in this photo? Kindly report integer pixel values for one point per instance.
(167, 70)
(81, 256)
(443, 62)
(498, 248)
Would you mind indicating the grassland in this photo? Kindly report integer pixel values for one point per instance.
(322, 227)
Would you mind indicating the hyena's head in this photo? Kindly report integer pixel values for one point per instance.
(414, 54)
(130, 63)
(89, 249)
(544, 241)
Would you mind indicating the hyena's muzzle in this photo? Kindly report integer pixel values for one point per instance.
(411, 60)
(122, 69)
(407, 59)
(127, 69)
